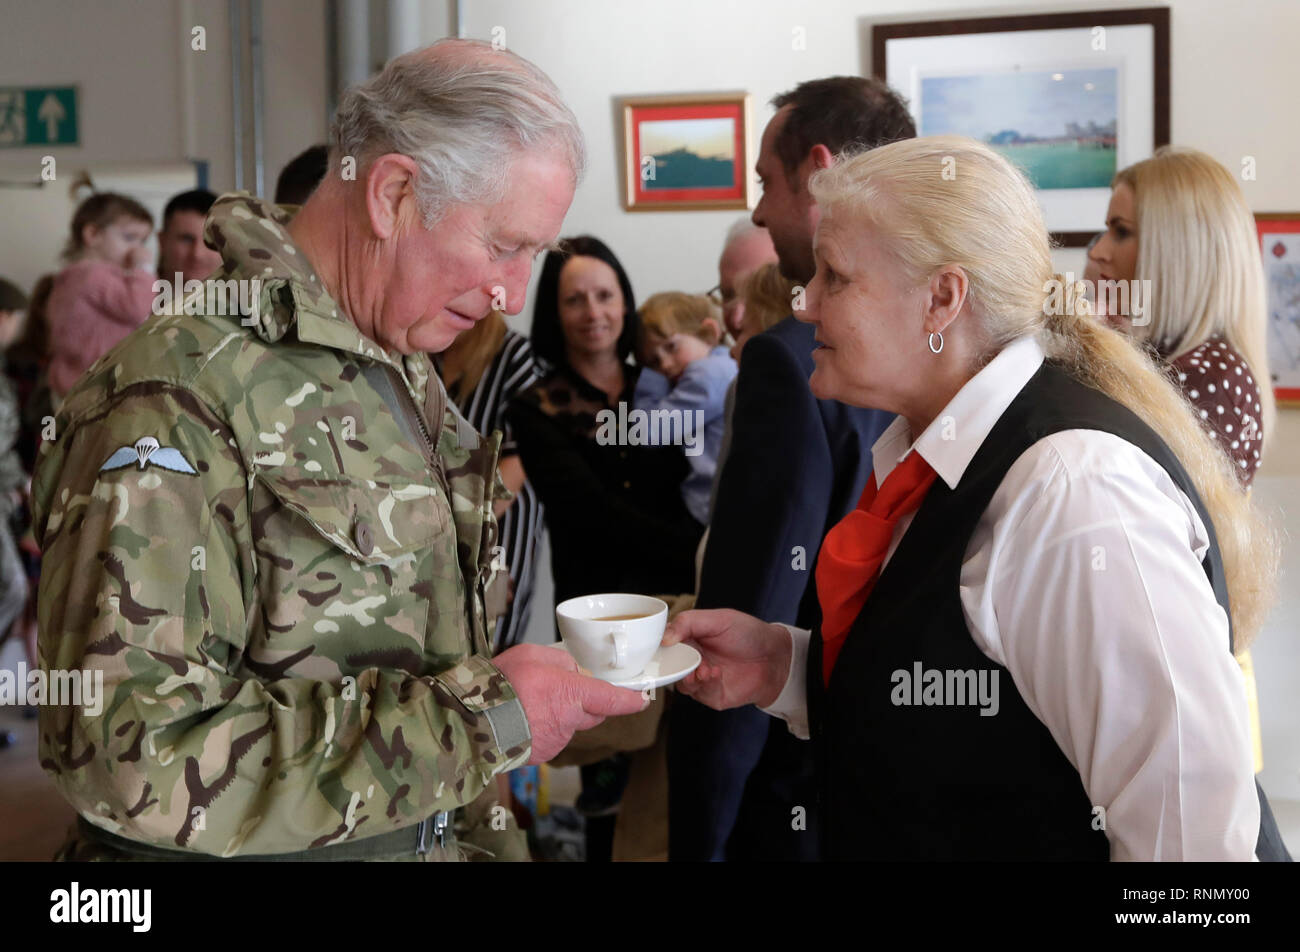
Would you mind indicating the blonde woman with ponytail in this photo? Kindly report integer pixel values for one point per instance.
(1027, 623)
(1179, 224)
(1179, 221)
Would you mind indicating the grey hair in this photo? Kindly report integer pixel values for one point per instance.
(463, 119)
(741, 228)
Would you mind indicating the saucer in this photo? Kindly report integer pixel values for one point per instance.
(667, 665)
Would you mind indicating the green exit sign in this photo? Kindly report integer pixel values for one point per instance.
(38, 115)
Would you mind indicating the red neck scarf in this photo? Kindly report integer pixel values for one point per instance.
(854, 550)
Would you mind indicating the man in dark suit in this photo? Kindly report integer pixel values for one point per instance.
(740, 785)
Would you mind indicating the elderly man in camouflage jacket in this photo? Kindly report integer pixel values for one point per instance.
(270, 533)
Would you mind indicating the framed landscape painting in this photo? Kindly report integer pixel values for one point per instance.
(687, 152)
(1279, 243)
(1071, 98)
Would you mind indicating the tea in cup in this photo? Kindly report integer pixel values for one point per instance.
(612, 636)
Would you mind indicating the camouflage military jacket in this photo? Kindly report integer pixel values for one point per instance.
(280, 580)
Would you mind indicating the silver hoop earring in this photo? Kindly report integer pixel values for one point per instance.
(933, 349)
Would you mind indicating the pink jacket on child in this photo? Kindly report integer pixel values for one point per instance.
(93, 305)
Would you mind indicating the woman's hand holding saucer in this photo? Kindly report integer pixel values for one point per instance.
(746, 661)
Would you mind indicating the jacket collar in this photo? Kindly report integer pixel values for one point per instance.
(253, 239)
(950, 442)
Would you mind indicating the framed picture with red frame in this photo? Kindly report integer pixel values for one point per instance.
(1279, 242)
(687, 152)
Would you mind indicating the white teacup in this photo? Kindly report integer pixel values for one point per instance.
(612, 636)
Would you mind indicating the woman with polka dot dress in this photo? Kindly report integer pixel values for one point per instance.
(1181, 240)
(1180, 246)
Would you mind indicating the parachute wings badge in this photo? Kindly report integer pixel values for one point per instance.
(148, 452)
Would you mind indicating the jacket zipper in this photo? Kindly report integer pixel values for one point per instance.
(474, 585)
(431, 455)
(440, 821)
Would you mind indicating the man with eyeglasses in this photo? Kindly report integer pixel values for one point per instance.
(748, 247)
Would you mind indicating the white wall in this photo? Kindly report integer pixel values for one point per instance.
(1233, 75)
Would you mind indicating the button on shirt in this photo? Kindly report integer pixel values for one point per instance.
(1127, 662)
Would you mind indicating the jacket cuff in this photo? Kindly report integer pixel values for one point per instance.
(483, 689)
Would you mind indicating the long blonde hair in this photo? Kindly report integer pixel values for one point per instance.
(479, 344)
(1198, 246)
(945, 200)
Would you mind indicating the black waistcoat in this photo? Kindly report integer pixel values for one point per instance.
(917, 782)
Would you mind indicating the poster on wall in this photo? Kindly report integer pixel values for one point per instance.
(686, 152)
(1279, 243)
(1070, 98)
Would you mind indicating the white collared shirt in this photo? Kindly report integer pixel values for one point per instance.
(1083, 578)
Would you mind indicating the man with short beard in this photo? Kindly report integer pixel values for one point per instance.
(740, 785)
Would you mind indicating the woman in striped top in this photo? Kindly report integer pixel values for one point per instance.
(483, 370)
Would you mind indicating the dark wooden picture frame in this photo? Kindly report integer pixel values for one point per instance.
(1155, 17)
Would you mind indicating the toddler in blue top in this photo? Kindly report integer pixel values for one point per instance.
(680, 337)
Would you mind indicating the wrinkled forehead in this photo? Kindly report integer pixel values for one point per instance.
(834, 229)
(850, 237)
(539, 190)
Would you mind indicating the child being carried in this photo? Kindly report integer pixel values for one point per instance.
(680, 338)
